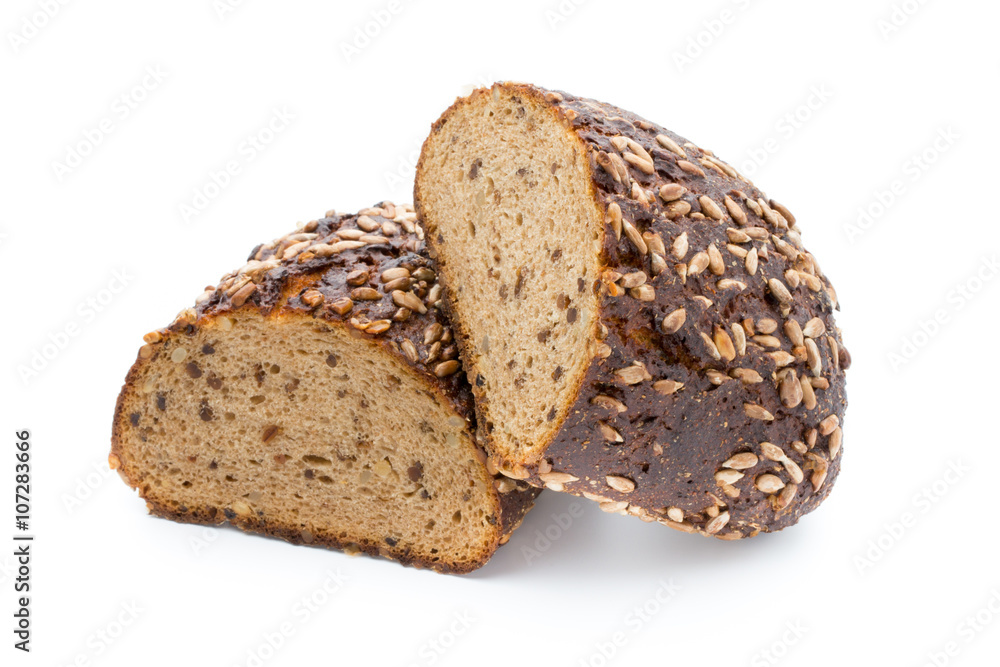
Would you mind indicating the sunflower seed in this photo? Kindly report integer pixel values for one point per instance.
(312, 298)
(767, 341)
(781, 358)
(654, 242)
(643, 293)
(679, 247)
(836, 440)
(670, 145)
(768, 483)
(342, 306)
(741, 461)
(715, 262)
(620, 484)
(813, 357)
(633, 374)
(786, 497)
(737, 235)
(735, 211)
(717, 524)
(677, 209)
(558, 477)
(724, 344)
(751, 262)
(672, 191)
(673, 321)
(691, 168)
(675, 514)
(698, 263)
(667, 387)
(645, 166)
(827, 426)
(794, 332)
(378, 326)
(757, 412)
(634, 237)
(608, 402)
(657, 264)
(739, 339)
(779, 291)
(728, 476)
(365, 294)
(727, 283)
(814, 328)
(614, 217)
(394, 273)
(242, 294)
(746, 375)
(808, 395)
(609, 433)
(614, 507)
(710, 208)
(793, 470)
(446, 368)
(791, 390)
(410, 350)
(408, 300)
(713, 350)
(634, 279)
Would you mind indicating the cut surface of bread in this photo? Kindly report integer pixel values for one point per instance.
(523, 236)
(641, 325)
(284, 417)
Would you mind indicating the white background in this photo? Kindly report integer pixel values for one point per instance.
(831, 108)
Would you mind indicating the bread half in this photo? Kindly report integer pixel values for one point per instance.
(640, 324)
(315, 395)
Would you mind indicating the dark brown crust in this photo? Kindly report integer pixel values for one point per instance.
(279, 288)
(673, 445)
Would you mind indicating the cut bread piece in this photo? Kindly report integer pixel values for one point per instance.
(640, 324)
(315, 395)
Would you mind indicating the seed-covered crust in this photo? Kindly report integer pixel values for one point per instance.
(715, 395)
(369, 274)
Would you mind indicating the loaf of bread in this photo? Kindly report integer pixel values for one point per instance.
(640, 324)
(315, 395)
